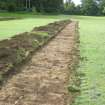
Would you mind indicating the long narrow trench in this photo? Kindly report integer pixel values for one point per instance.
(44, 80)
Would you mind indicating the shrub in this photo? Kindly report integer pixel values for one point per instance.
(11, 7)
(3, 6)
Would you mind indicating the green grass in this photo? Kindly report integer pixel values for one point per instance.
(19, 14)
(92, 47)
(29, 21)
(13, 27)
(30, 15)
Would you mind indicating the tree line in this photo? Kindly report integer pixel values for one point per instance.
(29, 5)
(87, 7)
(93, 7)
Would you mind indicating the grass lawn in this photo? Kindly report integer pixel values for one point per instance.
(13, 27)
(29, 21)
(92, 49)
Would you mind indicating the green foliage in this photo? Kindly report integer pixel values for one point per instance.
(20, 55)
(89, 7)
(101, 5)
(103, 10)
(69, 8)
(40, 5)
(11, 7)
(35, 43)
(73, 88)
(93, 7)
(3, 5)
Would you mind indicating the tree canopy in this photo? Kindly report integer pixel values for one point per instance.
(87, 7)
(40, 5)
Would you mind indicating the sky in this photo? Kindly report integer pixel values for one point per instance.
(76, 1)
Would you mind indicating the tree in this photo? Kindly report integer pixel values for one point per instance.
(89, 7)
(53, 5)
(48, 5)
(11, 7)
(103, 10)
(69, 7)
(78, 10)
(3, 5)
(101, 6)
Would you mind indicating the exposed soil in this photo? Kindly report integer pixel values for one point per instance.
(44, 80)
(16, 50)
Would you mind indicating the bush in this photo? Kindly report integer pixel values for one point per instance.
(3, 6)
(14, 51)
(11, 7)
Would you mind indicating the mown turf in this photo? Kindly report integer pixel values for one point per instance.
(92, 50)
(13, 27)
(28, 21)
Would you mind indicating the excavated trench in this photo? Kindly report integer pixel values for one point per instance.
(45, 78)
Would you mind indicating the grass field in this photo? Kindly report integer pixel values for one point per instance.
(13, 27)
(92, 50)
(28, 21)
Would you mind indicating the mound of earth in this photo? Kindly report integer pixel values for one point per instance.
(16, 50)
(49, 76)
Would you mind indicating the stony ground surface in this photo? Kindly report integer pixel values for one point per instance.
(44, 80)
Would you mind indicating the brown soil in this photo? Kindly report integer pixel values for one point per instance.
(44, 80)
(19, 48)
